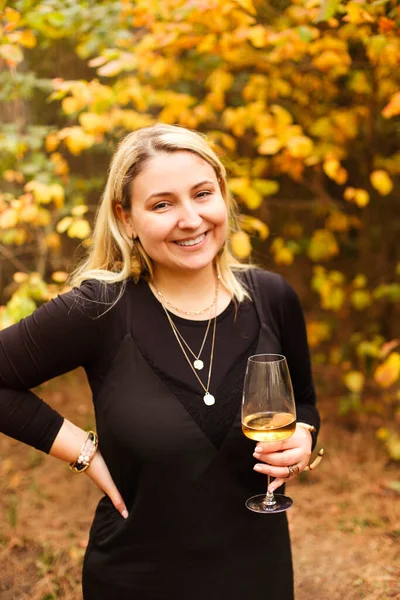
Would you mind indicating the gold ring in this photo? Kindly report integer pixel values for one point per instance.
(293, 470)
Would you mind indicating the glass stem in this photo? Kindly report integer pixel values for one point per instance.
(269, 498)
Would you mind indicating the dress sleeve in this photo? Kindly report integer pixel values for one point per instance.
(295, 348)
(60, 336)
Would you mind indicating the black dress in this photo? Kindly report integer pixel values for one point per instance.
(188, 534)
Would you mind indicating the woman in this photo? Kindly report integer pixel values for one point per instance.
(163, 319)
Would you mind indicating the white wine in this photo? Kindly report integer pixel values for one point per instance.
(269, 426)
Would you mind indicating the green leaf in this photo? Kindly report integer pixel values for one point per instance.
(327, 10)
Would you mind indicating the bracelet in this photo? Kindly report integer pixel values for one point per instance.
(86, 454)
(309, 428)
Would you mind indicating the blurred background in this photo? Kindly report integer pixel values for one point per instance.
(301, 99)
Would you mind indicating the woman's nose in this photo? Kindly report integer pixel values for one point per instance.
(189, 217)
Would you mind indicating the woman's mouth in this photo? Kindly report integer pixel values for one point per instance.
(193, 241)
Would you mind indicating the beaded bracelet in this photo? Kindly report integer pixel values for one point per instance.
(86, 454)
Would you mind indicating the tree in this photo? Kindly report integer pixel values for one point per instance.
(301, 99)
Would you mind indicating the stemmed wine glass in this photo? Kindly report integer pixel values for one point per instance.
(268, 415)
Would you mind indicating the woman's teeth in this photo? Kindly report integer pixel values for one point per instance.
(197, 240)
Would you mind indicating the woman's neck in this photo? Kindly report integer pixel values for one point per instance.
(189, 291)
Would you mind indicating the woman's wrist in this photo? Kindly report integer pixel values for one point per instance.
(68, 442)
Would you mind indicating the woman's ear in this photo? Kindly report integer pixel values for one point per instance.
(126, 219)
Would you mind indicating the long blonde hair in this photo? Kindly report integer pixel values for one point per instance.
(110, 258)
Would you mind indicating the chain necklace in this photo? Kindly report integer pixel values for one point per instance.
(208, 398)
(197, 363)
(187, 312)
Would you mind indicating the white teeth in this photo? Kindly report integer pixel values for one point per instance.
(192, 242)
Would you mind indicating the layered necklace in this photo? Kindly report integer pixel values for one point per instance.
(197, 364)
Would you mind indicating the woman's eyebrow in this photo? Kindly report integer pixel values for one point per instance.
(157, 194)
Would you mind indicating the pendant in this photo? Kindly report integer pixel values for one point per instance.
(198, 364)
(209, 399)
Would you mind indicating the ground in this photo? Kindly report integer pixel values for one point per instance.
(345, 521)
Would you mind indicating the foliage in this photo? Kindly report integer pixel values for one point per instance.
(300, 98)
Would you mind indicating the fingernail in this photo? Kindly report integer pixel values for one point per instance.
(257, 467)
(125, 513)
(258, 448)
(256, 455)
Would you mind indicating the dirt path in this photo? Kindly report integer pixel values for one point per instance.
(345, 522)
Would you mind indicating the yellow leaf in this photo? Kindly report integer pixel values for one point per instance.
(63, 225)
(271, 146)
(57, 194)
(253, 225)
(393, 107)
(93, 123)
(11, 54)
(381, 181)
(79, 229)
(360, 299)
(360, 281)
(258, 36)
(337, 221)
(52, 142)
(323, 246)
(8, 218)
(335, 171)
(27, 39)
(354, 381)
(77, 140)
(300, 146)
(284, 256)
(361, 198)
(247, 5)
(40, 190)
(11, 15)
(111, 69)
(79, 210)
(241, 245)
(59, 276)
(388, 372)
(317, 332)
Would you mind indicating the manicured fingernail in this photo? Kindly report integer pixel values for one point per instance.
(256, 455)
(258, 448)
(125, 513)
(257, 467)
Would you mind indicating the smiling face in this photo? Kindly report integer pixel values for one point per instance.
(177, 212)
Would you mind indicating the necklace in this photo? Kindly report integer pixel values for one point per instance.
(188, 312)
(197, 363)
(208, 398)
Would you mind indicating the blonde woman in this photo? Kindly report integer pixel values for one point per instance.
(163, 319)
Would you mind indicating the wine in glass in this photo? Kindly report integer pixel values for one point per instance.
(268, 415)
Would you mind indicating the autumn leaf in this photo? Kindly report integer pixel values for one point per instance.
(354, 381)
(240, 244)
(381, 181)
(392, 109)
(388, 372)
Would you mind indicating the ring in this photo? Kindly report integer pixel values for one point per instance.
(293, 470)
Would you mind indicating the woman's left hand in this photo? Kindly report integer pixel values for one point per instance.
(278, 456)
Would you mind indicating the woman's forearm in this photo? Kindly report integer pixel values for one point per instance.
(68, 442)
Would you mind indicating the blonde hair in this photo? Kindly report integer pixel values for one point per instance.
(110, 258)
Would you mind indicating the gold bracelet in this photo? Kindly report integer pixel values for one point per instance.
(307, 426)
(320, 454)
(86, 454)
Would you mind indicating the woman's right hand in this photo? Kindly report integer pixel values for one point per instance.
(99, 473)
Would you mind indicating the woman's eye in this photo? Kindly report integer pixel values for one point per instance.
(203, 194)
(160, 205)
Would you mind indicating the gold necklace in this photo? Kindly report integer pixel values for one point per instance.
(208, 398)
(197, 363)
(187, 312)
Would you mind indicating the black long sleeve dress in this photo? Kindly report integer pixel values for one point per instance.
(183, 468)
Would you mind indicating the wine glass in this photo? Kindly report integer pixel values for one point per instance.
(268, 415)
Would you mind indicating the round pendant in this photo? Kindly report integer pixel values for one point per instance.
(209, 399)
(198, 364)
